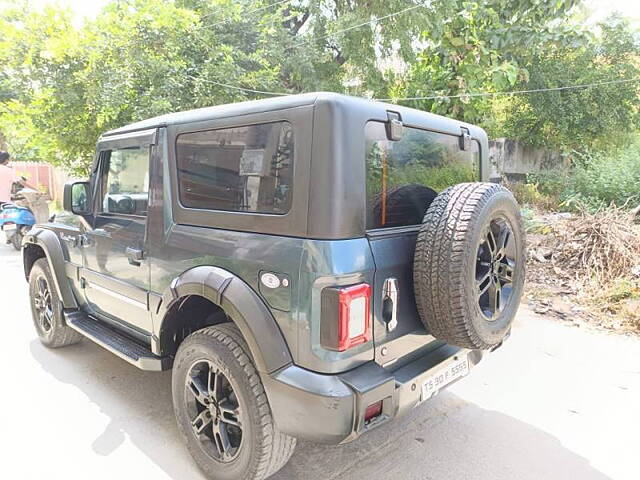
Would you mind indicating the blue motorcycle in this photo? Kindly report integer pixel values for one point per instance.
(15, 222)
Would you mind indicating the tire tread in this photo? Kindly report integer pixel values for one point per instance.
(275, 447)
(62, 335)
(442, 259)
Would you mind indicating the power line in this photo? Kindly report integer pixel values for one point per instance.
(233, 87)
(255, 10)
(515, 92)
(353, 27)
(435, 97)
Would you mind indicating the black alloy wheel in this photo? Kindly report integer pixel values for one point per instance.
(222, 409)
(495, 266)
(214, 410)
(43, 305)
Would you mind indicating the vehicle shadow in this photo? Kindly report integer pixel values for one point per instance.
(446, 438)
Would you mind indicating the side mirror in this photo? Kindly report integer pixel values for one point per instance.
(76, 197)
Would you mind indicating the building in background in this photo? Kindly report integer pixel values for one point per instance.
(45, 177)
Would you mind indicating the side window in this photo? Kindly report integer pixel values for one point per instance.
(241, 169)
(404, 176)
(125, 181)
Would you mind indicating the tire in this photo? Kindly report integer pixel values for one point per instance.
(405, 205)
(16, 240)
(260, 449)
(46, 308)
(471, 241)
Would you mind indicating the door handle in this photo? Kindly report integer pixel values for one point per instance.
(70, 240)
(390, 303)
(134, 255)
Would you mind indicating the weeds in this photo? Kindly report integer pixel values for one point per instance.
(599, 180)
(601, 247)
(594, 181)
(592, 259)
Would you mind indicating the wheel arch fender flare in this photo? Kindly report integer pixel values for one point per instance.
(49, 242)
(243, 306)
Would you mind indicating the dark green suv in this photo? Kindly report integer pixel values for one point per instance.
(310, 266)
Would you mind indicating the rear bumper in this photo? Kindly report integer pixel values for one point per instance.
(330, 408)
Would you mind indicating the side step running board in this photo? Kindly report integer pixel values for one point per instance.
(116, 342)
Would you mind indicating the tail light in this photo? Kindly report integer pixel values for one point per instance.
(373, 411)
(346, 319)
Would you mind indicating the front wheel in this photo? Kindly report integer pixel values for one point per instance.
(46, 308)
(222, 409)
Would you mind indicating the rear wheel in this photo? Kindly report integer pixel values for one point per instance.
(46, 308)
(222, 409)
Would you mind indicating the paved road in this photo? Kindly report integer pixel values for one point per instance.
(554, 403)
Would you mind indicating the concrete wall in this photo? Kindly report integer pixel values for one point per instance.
(514, 160)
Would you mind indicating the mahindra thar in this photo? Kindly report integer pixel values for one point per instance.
(310, 266)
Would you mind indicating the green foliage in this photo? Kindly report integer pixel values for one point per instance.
(577, 119)
(476, 47)
(594, 181)
(62, 86)
(601, 179)
(542, 190)
(550, 182)
(438, 177)
(529, 194)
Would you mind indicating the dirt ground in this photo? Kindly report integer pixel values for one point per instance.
(580, 277)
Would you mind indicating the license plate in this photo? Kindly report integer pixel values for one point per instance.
(454, 370)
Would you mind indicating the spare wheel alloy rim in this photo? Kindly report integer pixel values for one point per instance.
(495, 267)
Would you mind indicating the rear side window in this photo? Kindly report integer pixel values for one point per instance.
(404, 176)
(240, 169)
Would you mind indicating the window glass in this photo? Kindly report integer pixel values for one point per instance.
(126, 188)
(404, 176)
(243, 169)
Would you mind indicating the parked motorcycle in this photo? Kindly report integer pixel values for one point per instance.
(17, 217)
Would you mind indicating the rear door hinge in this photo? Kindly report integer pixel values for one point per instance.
(395, 129)
(465, 139)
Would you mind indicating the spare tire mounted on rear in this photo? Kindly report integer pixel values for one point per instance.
(469, 265)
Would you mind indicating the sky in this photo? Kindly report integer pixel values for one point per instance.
(600, 8)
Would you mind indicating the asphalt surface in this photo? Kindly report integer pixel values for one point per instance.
(555, 402)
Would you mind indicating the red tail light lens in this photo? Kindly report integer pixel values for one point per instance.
(346, 319)
(373, 411)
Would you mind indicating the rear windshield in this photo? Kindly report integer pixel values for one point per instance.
(404, 176)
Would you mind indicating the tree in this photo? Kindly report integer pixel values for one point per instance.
(61, 87)
(584, 118)
(478, 47)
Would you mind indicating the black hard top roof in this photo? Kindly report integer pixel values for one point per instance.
(279, 103)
